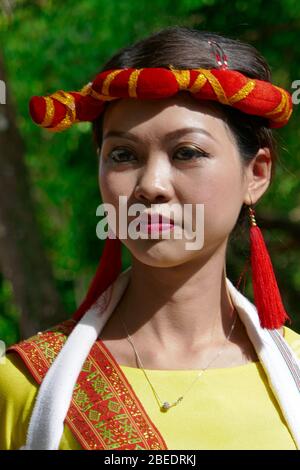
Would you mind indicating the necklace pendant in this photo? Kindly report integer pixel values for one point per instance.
(166, 405)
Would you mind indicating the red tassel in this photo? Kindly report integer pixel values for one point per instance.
(109, 268)
(267, 297)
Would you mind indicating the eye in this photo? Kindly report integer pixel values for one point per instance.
(121, 155)
(190, 153)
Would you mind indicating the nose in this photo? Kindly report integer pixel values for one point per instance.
(154, 184)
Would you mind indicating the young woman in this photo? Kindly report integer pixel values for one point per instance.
(168, 354)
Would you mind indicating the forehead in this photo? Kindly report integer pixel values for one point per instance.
(163, 115)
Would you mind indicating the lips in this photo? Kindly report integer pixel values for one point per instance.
(155, 223)
(155, 219)
(161, 219)
(156, 228)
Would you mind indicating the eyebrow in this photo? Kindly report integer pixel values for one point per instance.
(171, 135)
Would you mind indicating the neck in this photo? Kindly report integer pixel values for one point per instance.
(188, 305)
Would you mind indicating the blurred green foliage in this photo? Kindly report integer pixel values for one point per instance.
(50, 45)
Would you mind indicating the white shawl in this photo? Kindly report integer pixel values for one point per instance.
(280, 363)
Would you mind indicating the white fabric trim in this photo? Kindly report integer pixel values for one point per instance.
(47, 420)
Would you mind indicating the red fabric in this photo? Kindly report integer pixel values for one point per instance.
(156, 83)
(109, 268)
(87, 108)
(267, 297)
(37, 109)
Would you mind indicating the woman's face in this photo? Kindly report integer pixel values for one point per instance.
(161, 161)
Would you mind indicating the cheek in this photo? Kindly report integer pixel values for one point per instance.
(222, 202)
(220, 189)
(114, 184)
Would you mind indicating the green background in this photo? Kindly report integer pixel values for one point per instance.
(52, 45)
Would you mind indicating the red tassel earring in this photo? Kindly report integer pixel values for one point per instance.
(267, 297)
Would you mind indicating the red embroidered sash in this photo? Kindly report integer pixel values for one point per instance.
(105, 413)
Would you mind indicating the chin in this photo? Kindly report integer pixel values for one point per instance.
(160, 254)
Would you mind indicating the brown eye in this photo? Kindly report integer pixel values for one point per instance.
(189, 153)
(120, 155)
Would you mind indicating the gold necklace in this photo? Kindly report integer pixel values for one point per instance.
(165, 405)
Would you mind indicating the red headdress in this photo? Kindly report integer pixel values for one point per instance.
(62, 109)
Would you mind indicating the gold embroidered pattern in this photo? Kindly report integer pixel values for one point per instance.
(68, 100)
(49, 114)
(104, 413)
(107, 81)
(198, 83)
(283, 105)
(217, 87)
(98, 96)
(243, 92)
(182, 77)
(86, 89)
(132, 83)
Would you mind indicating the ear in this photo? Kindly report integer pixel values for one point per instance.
(258, 175)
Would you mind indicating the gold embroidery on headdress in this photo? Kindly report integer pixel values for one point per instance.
(132, 83)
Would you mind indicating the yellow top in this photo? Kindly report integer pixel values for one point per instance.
(228, 408)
